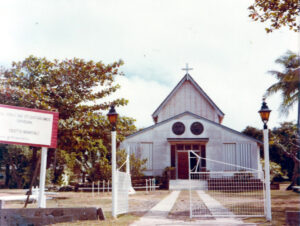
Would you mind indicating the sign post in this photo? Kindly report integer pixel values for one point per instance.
(42, 197)
(31, 127)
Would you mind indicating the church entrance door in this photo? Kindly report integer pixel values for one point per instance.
(180, 158)
(183, 165)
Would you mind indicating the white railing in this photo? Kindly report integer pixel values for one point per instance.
(239, 193)
(150, 185)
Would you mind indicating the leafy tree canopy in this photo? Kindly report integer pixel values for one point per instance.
(75, 88)
(277, 13)
(283, 147)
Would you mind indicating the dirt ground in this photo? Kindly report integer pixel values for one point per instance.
(141, 202)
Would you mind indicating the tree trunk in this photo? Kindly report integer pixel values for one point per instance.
(54, 168)
(295, 176)
(7, 175)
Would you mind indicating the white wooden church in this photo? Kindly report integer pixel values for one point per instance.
(189, 120)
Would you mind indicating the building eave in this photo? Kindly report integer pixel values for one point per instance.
(196, 116)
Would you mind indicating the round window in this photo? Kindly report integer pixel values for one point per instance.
(197, 128)
(178, 128)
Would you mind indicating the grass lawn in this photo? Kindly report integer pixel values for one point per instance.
(139, 204)
(282, 201)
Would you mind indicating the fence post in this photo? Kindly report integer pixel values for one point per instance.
(146, 186)
(98, 187)
(103, 186)
(93, 188)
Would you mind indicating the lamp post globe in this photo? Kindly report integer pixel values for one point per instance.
(264, 113)
(112, 117)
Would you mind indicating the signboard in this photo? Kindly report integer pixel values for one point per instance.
(25, 126)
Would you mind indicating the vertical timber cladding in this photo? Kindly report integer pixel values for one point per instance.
(142, 150)
(147, 153)
(238, 154)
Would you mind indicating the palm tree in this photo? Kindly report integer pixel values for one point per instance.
(288, 80)
(289, 86)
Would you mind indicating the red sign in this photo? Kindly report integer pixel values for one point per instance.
(25, 126)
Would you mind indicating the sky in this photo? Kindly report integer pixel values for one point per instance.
(230, 54)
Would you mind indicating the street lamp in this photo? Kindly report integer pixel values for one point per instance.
(112, 117)
(265, 114)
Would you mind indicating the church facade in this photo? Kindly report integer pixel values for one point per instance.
(189, 120)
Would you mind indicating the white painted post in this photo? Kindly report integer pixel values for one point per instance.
(42, 198)
(113, 169)
(93, 188)
(154, 184)
(127, 164)
(190, 189)
(108, 190)
(267, 175)
(146, 186)
(103, 186)
(98, 187)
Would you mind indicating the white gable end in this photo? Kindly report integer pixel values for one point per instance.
(188, 98)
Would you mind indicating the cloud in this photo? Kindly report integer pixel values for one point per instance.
(144, 97)
(230, 53)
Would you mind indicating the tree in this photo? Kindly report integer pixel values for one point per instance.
(16, 161)
(277, 156)
(277, 13)
(289, 85)
(75, 88)
(137, 166)
(285, 138)
(288, 80)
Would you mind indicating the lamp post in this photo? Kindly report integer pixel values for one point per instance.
(112, 117)
(264, 114)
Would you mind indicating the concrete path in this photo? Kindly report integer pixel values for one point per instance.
(215, 207)
(159, 213)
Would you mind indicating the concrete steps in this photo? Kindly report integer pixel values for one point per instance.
(186, 184)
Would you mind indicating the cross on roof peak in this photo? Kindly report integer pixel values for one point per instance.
(187, 69)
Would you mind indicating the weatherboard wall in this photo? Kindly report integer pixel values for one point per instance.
(216, 149)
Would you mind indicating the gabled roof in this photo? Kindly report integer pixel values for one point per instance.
(187, 77)
(196, 116)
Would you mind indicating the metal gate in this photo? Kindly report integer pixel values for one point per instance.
(237, 192)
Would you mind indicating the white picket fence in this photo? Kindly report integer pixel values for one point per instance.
(150, 185)
(98, 187)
